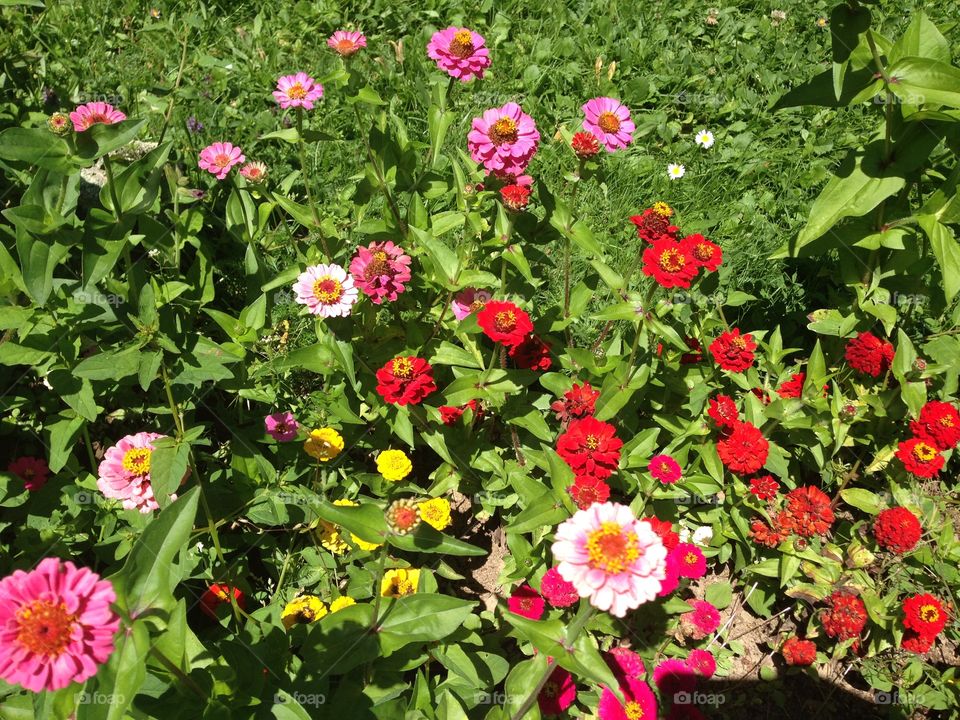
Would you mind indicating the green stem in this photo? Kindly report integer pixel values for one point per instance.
(90, 453)
(114, 198)
(381, 181)
(176, 84)
(302, 153)
(378, 580)
(174, 410)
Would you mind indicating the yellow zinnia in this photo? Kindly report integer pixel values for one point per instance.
(330, 538)
(436, 512)
(304, 609)
(394, 465)
(399, 583)
(342, 602)
(323, 444)
(362, 544)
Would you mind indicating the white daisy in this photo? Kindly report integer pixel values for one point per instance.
(675, 172)
(703, 535)
(704, 139)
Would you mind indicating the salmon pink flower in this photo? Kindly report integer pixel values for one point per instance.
(326, 290)
(255, 171)
(219, 157)
(380, 271)
(504, 139)
(33, 471)
(124, 473)
(459, 52)
(95, 113)
(527, 602)
(297, 91)
(56, 625)
(282, 426)
(609, 120)
(612, 558)
(468, 301)
(347, 42)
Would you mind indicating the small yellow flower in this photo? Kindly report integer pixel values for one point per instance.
(342, 602)
(436, 512)
(330, 538)
(324, 444)
(399, 583)
(394, 465)
(362, 544)
(304, 609)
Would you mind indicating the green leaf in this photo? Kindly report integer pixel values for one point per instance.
(101, 139)
(364, 521)
(119, 681)
(520, 682)
(423, 617)
(947, 251)
(168, 465)
(719, 594)
(918, 80)
(545, 511)
(921, 39)
(429, 540)
(109, 365)
(341, 641)
(863, 500)
(36, 146)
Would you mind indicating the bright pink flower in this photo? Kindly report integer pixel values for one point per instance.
(641, 703)
(326, 290)
(33, 471)
(380, 271)
(625, 664)
(527, 602)
(665, 469)
(295, 91)
(558, 694)
(609, 120)
(459, 52)
(503, 139)
(702, 662)
(702, 620)
(468, 301)
(611, 557)
(282, 426)
(692, 564)
(673, 676)
(56, 625)
(672, 579)
(95, 113)
(125, 472)
(557, 591)
(347, 42)
(219, 157)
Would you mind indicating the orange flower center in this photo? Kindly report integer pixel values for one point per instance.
(592, 442)
(929, 613)
(378, 266)
(690, 558)
(136, 461)
(477, 305)
(402, 368)
(611, 549)
(672, 260)
(503, 131)
(633, 711)
(405, 518)
(346, 47)
(739, 343)
(946, 421)
(328, 290)
(222, 160)
(45, 628)
(297, 92)
(662, 209)
(923, 452)
(665, 468)
(608, 122)
(505, 321)
(462, 44)
(702, 252)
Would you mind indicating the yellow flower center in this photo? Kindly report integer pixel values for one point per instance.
(297, 92)
(608, 122)
(505, 321)
(662, 209)
(924, 452)
(378, 266)
(328, 290)
(946, 421)
(929, 613)
(739, 343)
(690, 558)
(633, 710)
(611, 549)
(462, 44)
(476, 305)
(672, 260)
(137, 461)
(403, 368)
(592, 442)
(503, 131)
(45, 628)
(702, 252)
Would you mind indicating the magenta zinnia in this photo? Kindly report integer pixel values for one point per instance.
(56, 625)
(297, 91)
(124, 473)
(219, 157)
(611, 557)
(609, 120)
(459, 52)
(504, 139)
(380, 271)
(95, 113)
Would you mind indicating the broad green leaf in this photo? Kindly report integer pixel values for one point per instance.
(947, 251)
(863, 500)
(366, 521)
(422, 617)
(119, 681)
(545, 511)
(429, 540)
(36, 146)
(918, 80)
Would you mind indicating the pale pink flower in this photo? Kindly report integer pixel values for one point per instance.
(95, 113)
(219, 157)
(125, 472)
(282, 426)
(56, 625)
(612, 558)
(380, 271)
(255, 171)
(326, 290)
(610, 121)
(504, 139)
(467, 301)
(347, 42)
(459, 52)
(298, 90)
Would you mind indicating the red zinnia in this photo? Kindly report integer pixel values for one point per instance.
(33, 471)
(920, 457)
(763, 534)
(723, 411)
(217, 595)
(792, 388)
(897, 529)
(917, 643)
(868, 354)
(587, 490)
(733, 351)
(579, 401)
(799, 652)
(846, 617)
(704, 253)
(405, 380)
(515, 197)
(744, 450)
(669, 263)
(527, 602)
(764, 488)
(585, 144)
(924, 614)
(663, 528)
(504, 322)
(939, 422)
(696, 354)
(557, 591)
(702, 662)
(532, 354)
(558, 693)
(808, 512)
(590, 447)
(449, 414)
(654, 222)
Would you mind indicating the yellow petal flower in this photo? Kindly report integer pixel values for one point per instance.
(342, 602)
(436, 513)
(324, 444)
(399, 583)
(304, 609)
(394, 465)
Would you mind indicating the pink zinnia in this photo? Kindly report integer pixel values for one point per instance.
(95, 113)
(702, 662)
(702, 620)
(625, 664)
(56, 625)
(610, 121)
(673, 676)
(672, 580)
(527, 602)
(124, 473)
(297, 91)
(219, 158)
(665, 469)
(503, 139)
(380, 271)
(468, 301)
(611, 557)
(558, 693)
(282, 426)
(459, 52)
(326, 290)
(33, 471)
(347, 42)
(691, 563)
(640, 702)
(255, 171)
(557, 591)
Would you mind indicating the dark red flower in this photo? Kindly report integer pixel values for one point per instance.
(704, 253)
(663, 528)
(590, 447)
(733, 351)
(579, 401)
(217, 595)
(897, 529)
(654, 222)
(723, 411)
(744, 449)
(792, 388)
(808, 512)
(532, 354)
(586, 490)
(405, 380)
(450, 414)
(669, 263)
(924, 614)
(765, 487)
(846, 616)
(799, 652)
(33, 471)
(585, 144)
(939, 422)
(917, 643)
(515, 197)
(527, 602)
(504, 322)
(868, 354)
(920, 457)
(696, 354)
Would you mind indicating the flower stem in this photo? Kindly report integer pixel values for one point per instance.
(378, 580)
(302, 153)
